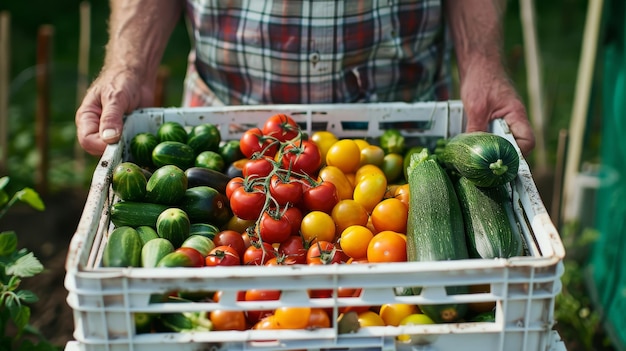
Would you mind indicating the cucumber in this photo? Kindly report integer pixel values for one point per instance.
(143, 322)
(204, 204)
(146, 233)
(173, 153)
(204, 137)
(211, 160)
(123, 248)
(135, 214)
(172, 131)
(173, 225)
(231, 151)
(154, 250)
(487, 227)
(486, 159)
(435, 229)
(166, 186)
(205, 229)
(129, 182)
(197, 176)
(141, 147)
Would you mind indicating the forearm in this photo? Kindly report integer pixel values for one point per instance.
(476, 28)
(138, 34)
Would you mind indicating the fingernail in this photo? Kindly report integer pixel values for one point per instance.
(109, 134)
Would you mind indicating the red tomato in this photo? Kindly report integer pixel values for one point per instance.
(285, 190)
(230, 238)
(323, 252)
(281, 260)
(318, 319)
(273, 227)
(241, 295)
(253, 141)
(257, 254)
(293, 248)
(257, 168)
(281, 127)
(228, 320)
(247, 204)
(302, 157)
(222, 256)
(320, 197)
(294, 215)
(195, 257)
(233, 183)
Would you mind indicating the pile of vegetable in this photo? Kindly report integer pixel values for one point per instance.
(280, 197)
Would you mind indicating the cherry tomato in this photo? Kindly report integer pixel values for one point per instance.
(280, 260)
(355, 240)
(318, 319)
(285, 190)
(238, 224)
(370, 319)
(323, 252)
(402, 194)
(366, 170)
(233, 183)
(253, 141)
(394, 313)
(348, 212)
(193, 257)
(370, 190)
(267, 323)
(338, 178)
(293, 317)
(316, 226)
(294, 248)
(345, 154)
(390, 214)
(257, 254)
(320, 197)
(351, 292)
(372, 155)
(227, 320)
(294, 216)
(392, 166)
(253, 316)
(230, 238)
(281, 127)
(247, 203)
(257, 168)
(223, 255)
(240, 296)
(387, 246)
(324, 140)
(274, 228)
(302, 157)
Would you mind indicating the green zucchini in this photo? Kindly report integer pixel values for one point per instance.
(435, 230)
(135, 214)
(488, 230)
(484, 158)
(123, 248)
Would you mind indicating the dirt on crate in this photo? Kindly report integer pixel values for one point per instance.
(47, 234)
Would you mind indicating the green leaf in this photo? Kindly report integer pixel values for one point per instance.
(27, 296)
(25, 266)
(32, 198)
(4, 181)
(8, 243)
(21, 316)
(4, 198)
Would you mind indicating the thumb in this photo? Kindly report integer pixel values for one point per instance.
(111, 123)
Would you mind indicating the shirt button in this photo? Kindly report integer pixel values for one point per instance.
(314, 57)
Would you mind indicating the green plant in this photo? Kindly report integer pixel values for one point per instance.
(15, 264)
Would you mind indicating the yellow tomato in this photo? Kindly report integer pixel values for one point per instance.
(366, 170)
(370, 319)
(416, 319)
(317, 225)
(370, 190)
(394, 313)
(338, 178)
(324, 140)
(348, 212)
(345, 154)
(354, 241)
(361, 143)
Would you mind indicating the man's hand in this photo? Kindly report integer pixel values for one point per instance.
(489, 95)
(99, 117)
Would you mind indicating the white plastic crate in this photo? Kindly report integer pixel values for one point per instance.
(523, 288)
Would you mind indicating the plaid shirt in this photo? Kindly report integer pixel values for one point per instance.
(316, 51)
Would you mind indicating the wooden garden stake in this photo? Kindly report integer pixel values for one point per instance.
(84, 44)
(42, 118)
(5, 56)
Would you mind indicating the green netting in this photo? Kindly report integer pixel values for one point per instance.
(608, 257)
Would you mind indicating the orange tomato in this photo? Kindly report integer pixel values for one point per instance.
(390, 214)
(292, 317)
(334, 175)
(228, 320)
(348, 212)
(318, 319)
(354, 241)
(394, 313)
(402, 193)
(387, 246)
